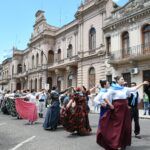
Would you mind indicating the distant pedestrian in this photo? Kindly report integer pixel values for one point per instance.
(146, 103)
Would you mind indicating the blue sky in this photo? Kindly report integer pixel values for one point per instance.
(18, 17)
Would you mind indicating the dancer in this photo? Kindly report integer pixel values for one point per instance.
(76, 117)
(53, 112)
(100, 101)
(134, 100)
(115, 127)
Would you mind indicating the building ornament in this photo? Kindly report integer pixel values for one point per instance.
(126, 21)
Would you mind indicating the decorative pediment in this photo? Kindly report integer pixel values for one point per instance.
(132, 6)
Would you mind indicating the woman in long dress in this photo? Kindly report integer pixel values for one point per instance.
(76, 115)
(115, 126)
(53, 112)
(98, 100)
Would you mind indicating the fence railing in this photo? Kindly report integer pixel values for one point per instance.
(135, 51)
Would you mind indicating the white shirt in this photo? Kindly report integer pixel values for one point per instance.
(118, 94)
(31, 97)
(99, 98)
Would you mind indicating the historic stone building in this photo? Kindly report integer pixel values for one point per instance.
(104, 40)
(127, 36)
(71, 55)
(5, 74)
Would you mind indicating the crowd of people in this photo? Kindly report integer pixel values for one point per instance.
(69, 108)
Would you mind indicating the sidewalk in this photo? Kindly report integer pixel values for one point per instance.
(141, 116)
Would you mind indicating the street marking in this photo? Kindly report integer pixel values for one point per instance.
(1, 124)
(20, 144)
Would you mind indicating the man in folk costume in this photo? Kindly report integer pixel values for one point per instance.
(133, 103)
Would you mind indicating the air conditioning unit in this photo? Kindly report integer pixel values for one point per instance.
(134, 71)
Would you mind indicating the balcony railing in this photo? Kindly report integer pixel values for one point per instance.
(139, 51)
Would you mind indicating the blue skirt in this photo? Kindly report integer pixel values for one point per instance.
(52, 117)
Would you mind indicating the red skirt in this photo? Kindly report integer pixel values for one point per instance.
(26, 110)
(115, 128)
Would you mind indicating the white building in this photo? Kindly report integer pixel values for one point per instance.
(127, 35)
(103, 41)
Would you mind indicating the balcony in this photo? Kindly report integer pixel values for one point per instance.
(132, 54)
(99, 51)
(72, 61)
(38, 68)
(5, 80)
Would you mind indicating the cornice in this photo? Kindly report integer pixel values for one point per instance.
(92, 5)
(127, 20)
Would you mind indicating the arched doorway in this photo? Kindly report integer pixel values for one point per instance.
(50, 57)
(59, 83)
(49, 81)
(70, 78)
(91, 77)
(18, 86)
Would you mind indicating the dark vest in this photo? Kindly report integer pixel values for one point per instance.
(131, 99)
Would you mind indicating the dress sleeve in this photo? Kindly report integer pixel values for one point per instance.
(130, 89)
(109, 94)
(97, 99)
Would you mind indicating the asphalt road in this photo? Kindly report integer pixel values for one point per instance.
(16, 135)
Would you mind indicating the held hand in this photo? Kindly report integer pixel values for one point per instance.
(112, 107)
(103, 104)
(146, 82)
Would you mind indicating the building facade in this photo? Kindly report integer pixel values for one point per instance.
(103, 41)
(127, 36)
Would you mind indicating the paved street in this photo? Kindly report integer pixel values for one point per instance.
(16, 135)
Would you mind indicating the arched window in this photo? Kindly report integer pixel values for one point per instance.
(125, 44)
(49, 81)
(146, 38)
(69, 51)
(35, 85)
(37, 59)
(19, 68)
(42, 58)
(33, 61)
(59, 54)
(40, 83)
(92, 39)
(91, 77)
(50, 57)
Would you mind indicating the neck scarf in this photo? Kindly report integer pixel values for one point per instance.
(116, 86)
(103, 90)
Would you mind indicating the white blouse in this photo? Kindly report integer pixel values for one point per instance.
(118, 94)
(98, 99)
